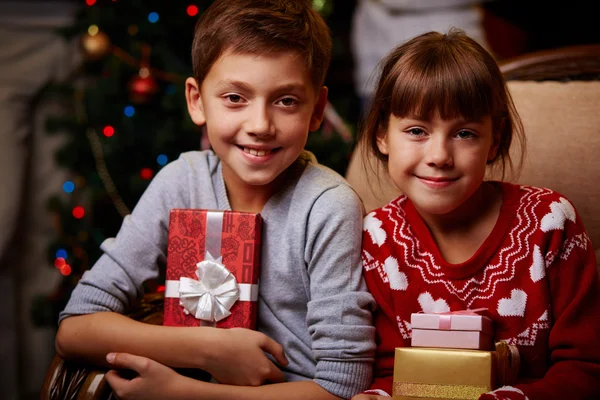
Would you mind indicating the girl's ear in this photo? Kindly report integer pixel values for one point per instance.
(382, 141)
(493, 153)
(319, 111)
(194, 101)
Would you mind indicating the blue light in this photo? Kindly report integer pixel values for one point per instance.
(129, 111)
(171, 89)
(162, 159)
(68, 186)
(153, 17)
(61, 253)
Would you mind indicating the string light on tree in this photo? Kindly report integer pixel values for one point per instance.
(78, 212)
(192, 10)
(146, 173)
(65, 270)
(108, 131)
(68, 187)
(59, 262)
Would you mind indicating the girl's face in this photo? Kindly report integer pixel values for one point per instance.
(438, 164)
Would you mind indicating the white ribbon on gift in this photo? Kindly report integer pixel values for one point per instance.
(214, 293)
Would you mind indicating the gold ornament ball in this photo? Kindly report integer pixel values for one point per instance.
(95, 47)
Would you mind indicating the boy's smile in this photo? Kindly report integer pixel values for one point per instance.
(258, 110)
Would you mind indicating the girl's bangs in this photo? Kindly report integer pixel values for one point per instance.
(447, 87)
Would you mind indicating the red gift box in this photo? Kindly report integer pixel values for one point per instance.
(213, 266)
(465, 329)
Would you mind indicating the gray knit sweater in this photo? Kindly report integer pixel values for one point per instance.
(312, 298)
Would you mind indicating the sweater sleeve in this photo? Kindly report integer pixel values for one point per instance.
(388, 336)
(574, 371)
(339, 313)
(133, 257)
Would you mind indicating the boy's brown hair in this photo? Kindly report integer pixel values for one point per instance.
(262, 27)
(450, 74)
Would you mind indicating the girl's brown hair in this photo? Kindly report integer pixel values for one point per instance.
(449, 74)
(262, 27)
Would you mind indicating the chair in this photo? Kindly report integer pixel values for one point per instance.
(557, 93)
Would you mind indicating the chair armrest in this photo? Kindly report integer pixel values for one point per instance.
(67, 380)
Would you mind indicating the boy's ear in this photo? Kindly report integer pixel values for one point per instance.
(382, 141)
(319, 111)
(194, 101)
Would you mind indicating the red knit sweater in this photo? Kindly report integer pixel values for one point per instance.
(535, 273)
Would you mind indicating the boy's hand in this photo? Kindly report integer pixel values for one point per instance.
(369, 397)
(153, 380)
(239, 358)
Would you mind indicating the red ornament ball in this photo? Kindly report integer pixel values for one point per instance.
(141, 89)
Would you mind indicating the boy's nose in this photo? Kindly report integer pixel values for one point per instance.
(259, 122)
(439, 152)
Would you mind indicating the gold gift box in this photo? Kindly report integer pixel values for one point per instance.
(436, 373)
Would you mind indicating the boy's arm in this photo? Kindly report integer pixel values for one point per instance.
(242, 351)
(339, 312)
(156, 381)
(91, 325)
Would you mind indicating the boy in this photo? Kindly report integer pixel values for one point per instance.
(259, 68)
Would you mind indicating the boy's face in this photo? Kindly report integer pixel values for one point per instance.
(258, 110)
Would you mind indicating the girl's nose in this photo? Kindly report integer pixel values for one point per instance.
(439, 152)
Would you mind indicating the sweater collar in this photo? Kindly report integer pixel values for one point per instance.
(487, 249)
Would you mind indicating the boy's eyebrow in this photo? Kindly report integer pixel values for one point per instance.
(242, 86)
(227, 84)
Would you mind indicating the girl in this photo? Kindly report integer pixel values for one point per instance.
(441, 114)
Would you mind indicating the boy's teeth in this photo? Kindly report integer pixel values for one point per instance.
(258, 153)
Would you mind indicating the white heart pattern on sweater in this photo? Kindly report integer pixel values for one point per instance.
(397, 278)
(513, 306)
(537, 270)
(373, 226)
(429, 305)
(560, 211)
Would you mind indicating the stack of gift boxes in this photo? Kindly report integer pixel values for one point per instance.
(452, 357)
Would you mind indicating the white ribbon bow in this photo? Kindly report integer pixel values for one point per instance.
(211, 296)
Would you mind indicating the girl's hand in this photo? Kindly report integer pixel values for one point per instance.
(238, 357)
(369, 397)
(153, 381)
(504, 393)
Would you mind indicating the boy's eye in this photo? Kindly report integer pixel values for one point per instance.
(234, 98)
(288, 101)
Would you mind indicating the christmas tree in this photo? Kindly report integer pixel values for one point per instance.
(129, 118)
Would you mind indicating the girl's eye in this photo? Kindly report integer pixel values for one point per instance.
(465, 134)
(416, 132)
(288, 101)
